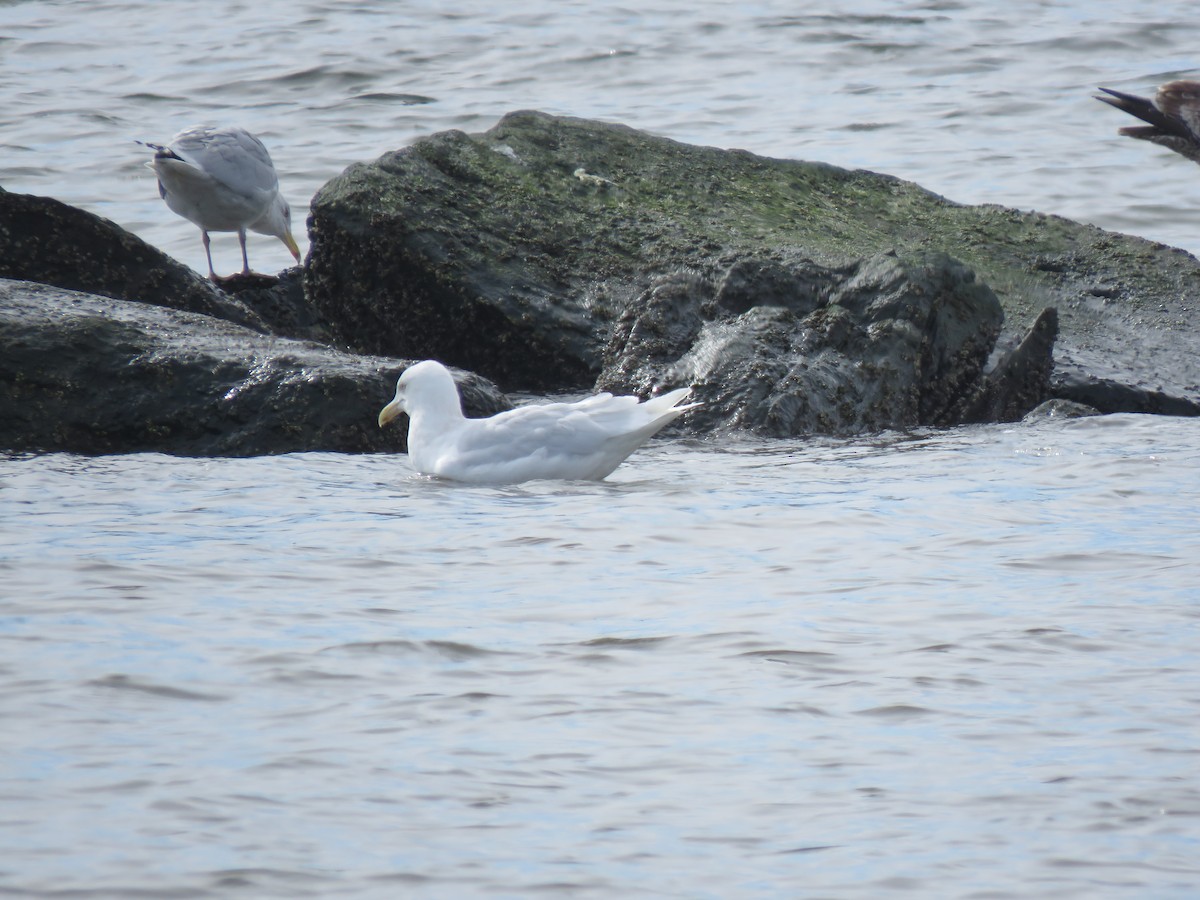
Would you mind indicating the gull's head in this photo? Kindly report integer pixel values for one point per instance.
(426, 385)
(277, 220)
(285, 234)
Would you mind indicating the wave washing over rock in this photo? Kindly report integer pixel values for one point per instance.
(554, 254)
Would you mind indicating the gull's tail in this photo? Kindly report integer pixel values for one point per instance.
(160, 152)
(668, 402)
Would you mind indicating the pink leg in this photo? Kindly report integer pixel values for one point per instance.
(245, 259)
(208, 253)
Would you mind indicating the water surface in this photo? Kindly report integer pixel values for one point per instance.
(954, 664)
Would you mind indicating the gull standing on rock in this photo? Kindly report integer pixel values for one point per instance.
(584, 440)
(222, 179)
(1173, 116)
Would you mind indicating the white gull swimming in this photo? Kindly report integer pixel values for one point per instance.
(222, 179)
(582, 440)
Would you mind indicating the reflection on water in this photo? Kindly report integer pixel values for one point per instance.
(955, 663)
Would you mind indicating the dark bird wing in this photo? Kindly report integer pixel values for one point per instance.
(1173, 116)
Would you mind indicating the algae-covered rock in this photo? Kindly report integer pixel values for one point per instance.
(515, 251)
(91, 374)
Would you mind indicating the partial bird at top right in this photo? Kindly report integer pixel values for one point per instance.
(1173, 116)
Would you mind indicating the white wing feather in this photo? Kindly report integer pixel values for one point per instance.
(584, 440)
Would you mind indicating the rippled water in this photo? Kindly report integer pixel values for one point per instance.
(981, 102)
(952, 664)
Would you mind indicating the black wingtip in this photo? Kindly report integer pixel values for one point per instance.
(1141, 108)
(160, 152)
(1121, 100)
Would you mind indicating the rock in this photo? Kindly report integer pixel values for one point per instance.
(1020, 379)
(1109, 396)
(280, 304)
(48, 242)
(557, 254)
(90, 374)
(516, 251)
(1060, 409)
(783, 350)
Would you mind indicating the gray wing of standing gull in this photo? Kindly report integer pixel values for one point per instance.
(1173, 116)
(231, 156)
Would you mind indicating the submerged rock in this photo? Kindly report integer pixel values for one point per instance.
(90, 374)
(1060, 409)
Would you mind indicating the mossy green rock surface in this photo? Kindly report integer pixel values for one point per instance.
(514, 252)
